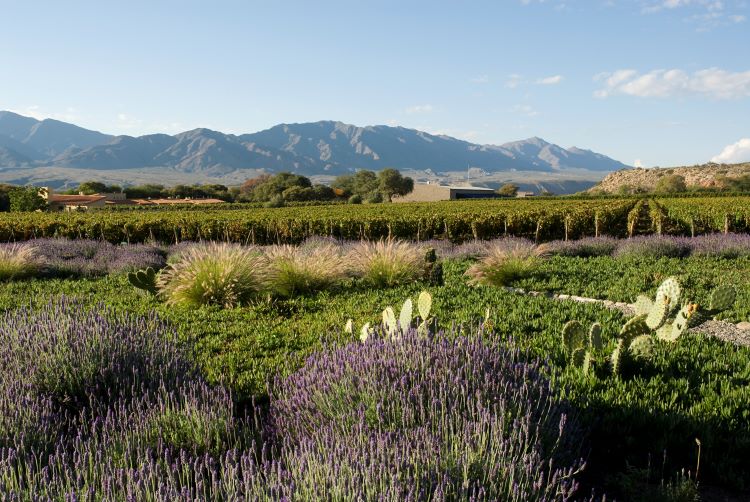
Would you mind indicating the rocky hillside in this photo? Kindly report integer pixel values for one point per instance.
(646, 179)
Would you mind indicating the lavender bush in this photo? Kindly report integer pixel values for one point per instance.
(649, 246)
(584, 248)
(433, 418)
(721, 245)
(87, 258)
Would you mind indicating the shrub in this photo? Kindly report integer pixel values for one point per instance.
(387, 263)
(89, 258)
(584, 248)
(18, 261)
(505, 262)
(355, 199)
(653, 247)
(63, 358)
(307, 268)
(443, 418)
(215, 274)
(721, 245)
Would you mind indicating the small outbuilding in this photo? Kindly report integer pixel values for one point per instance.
(429, 192)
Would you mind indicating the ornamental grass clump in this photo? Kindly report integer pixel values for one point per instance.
(505, 262)
(226, 275)
(305, 269)
(421, 418)
(387, 263)
(18, 261)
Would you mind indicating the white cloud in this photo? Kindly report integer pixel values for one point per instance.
(553, 80)
(514, 80)
(70, 114)
(526, 110)
(711, 82)
(419, 109)
(637, 163)
(705, 14)
(734, 153)
(481, 79)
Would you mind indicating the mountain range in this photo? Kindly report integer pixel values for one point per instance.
(318, 148)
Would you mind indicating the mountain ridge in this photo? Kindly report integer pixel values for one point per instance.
(326, 147)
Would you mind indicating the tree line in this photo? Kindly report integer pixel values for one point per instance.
(271, 190)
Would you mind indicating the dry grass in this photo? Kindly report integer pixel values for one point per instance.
(387, 263)
(18, 261)
(505, 262)
(311, 267)
(215, 274)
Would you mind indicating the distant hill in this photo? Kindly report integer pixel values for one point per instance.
(646, 179)
(31, 150)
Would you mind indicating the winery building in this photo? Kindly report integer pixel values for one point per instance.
(431, 192)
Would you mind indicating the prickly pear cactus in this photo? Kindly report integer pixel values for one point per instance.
(578, 356)
(659, 313)
(573, 336)
(636, 326)
(643, 305)
(144, 280)
(617, 357)
(666, 333)
(424, 305)
(722, 298)
(642, 347)
(669, 290)
(595, 336)
(404, 318)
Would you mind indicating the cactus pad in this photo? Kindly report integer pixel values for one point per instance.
(658, 314)
(404, 318)
(669, 290)
(573, 336)
(666, 333)
(578, 356)
(642, 347)
(588, 362)
(595, 336)
(643, 305)
(424, 305)
(636, 326)
(682, 320)
(389, 321)
(144, 279)
(617, 357)
(722, 298)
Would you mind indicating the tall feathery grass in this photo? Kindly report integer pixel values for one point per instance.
(387, 263)
(506, 262)
(304, 269)
(18, 261)
(215, 274)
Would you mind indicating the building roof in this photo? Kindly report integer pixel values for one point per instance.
(148, 202)
(75, 200)
(459, 187)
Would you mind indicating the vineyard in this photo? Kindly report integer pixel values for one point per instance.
(540, 220)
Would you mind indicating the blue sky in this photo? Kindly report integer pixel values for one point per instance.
(664, 82)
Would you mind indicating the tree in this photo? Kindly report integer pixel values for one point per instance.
(147, 191)
(26, 199)
(391, 182)
(670, 184)
(364, 182)
(508, 190)
(91, 187)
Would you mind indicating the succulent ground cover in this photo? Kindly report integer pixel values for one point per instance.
(694, 389)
